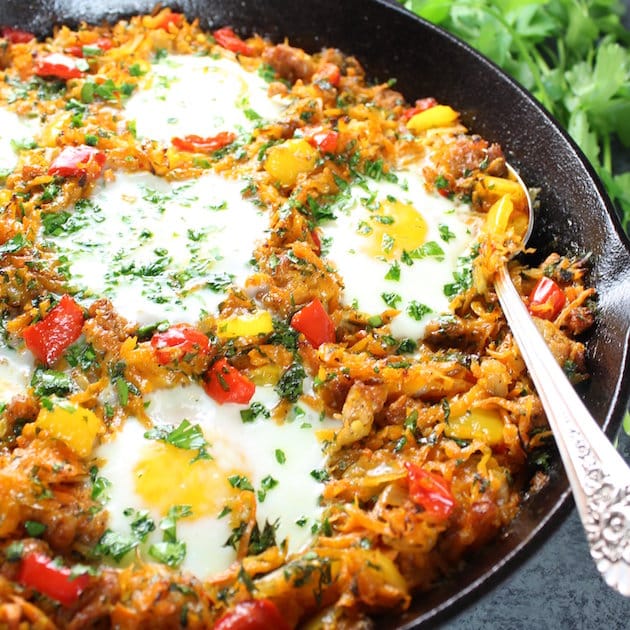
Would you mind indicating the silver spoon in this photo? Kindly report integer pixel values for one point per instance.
(599, 476)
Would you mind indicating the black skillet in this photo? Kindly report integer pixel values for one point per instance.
(575, 216)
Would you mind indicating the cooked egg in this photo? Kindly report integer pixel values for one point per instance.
(397, 246)
(14, 131)
(279, 462)
(183, 95)
(158, 249)
(15, 372)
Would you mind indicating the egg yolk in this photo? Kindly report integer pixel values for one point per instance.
(166, 476)
(394, 227)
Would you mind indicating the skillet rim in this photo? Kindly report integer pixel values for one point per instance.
(560, 507)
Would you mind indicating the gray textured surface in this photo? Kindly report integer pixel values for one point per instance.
(558, 587)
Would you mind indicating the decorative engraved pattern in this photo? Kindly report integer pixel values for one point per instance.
(606, 518)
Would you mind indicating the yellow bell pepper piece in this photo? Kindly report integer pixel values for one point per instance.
(72, 424)
(268, 374)
(437, 116)
(498, 217)
(284, 162)
(248, 325)
(500, 186)
(485, 425)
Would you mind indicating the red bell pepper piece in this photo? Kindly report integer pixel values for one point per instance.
(546, 299)
(58, 65)
(430, 490)
(326, 141)
(421, 105)
(197, 144)
(77, 161)
(317, 241)
(224, 383)
(177, 342)
(15, 36)
(314, 323)
(227, 38)
(103, 43)
(48, 338)
(255, 614)
(38, 571)
(169, 18)
(328, 72)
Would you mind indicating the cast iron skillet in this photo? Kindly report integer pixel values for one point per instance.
(575, 217)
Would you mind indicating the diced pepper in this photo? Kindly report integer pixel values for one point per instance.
(197, 144)
(224, 383)
(72, 424)
(421, 105)
(163, 19)
(286, 161)
(317, 241)
(227, 38)
(78, 161)
(58, 65)
(255, 614)
(314, 323)
(268, 374)
(325, 141)
(48, 338)
(248, 325)
(547, 299)
(436, 116)
(178, 342)
(15, 36)
(328, 72)
(430, 490)
(479, 424)
(498, 217)
(82, 50)
(43, 574)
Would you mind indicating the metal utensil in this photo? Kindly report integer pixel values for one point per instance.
(599, 476)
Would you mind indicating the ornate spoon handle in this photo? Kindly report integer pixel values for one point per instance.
(599, 476)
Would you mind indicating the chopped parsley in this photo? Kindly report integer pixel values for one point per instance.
(417, 310)
(290, 385)
(255, 410)
(186, 436)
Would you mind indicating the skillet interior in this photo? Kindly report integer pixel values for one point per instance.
(576, 216)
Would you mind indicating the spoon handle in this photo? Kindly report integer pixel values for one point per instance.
(599, 476)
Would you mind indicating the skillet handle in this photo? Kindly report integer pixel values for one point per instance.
(599, 476)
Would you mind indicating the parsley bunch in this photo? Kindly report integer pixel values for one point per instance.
(573, 55)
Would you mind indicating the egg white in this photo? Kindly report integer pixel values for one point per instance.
(184, 94)
(16, 370)
(449, 224)
(251, 447)
(152, 246)
(13, 128)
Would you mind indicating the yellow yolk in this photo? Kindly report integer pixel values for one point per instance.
(166, 476)
(395, 227)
